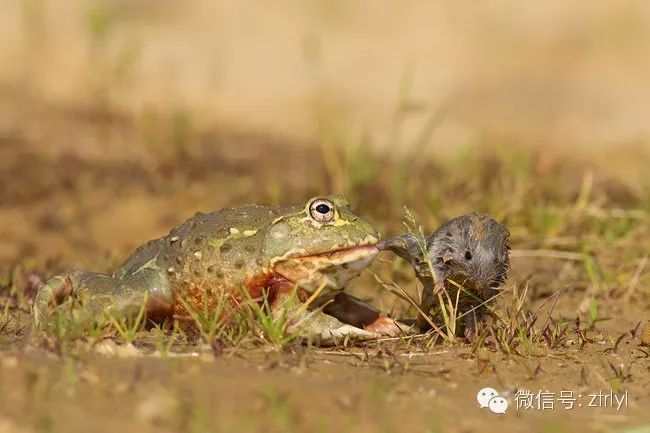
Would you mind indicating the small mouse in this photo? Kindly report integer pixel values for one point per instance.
(473, 251)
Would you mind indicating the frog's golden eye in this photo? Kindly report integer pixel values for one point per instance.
(321, 210)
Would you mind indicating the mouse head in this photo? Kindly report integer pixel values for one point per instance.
(472, 250)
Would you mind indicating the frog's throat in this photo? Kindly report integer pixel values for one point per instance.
(332, 269)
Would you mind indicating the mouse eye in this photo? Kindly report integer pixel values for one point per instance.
(321, 210)
(468, 255)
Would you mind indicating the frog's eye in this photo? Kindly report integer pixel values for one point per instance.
(321, 210)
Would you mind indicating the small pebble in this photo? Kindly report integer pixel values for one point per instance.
(109, 348)
(89, 377)
(106, 348)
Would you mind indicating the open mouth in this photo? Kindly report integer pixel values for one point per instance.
(333, 268)
(338, 255)
(342, 253)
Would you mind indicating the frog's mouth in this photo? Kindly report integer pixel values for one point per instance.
(332, 269)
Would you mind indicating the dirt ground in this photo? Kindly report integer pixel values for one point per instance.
(61, 209)
(319, 391)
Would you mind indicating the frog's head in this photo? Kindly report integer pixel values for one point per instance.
(320, 243)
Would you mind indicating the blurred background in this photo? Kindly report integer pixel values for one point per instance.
(121, 118)
(553, 73)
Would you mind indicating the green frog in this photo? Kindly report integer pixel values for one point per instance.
(252, 253)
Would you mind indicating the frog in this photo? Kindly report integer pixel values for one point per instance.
(263, 253)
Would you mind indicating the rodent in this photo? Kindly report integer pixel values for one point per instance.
(473, 251)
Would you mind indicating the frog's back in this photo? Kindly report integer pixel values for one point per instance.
(197, 240)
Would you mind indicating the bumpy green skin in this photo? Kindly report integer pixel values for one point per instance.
(222, 250)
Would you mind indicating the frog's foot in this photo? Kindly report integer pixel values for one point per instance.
(355, 312)
(343, 332)
(387, 327)
(325, 330)
(341, 318)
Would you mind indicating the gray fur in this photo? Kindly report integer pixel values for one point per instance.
(472, 250)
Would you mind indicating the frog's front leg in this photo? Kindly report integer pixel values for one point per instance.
(326, 330)
(106, 294)
(343, 317)
(353, 311)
